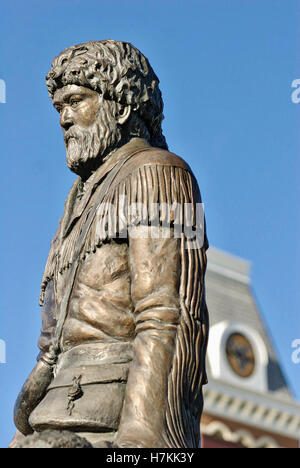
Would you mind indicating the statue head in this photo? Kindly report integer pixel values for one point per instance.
(106, 93)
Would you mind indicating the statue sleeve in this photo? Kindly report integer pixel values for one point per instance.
(48, 320)
(163, 399)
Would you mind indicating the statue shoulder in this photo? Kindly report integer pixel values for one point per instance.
(161, 157)
(157, 175)
(153, 157)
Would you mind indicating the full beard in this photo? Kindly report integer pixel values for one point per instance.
(86, 148)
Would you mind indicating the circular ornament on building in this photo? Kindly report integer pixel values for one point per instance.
(240, 355)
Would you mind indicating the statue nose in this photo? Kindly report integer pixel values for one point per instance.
(66, 120)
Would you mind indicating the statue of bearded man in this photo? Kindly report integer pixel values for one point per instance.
(124, 318)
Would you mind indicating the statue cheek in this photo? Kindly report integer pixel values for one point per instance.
(86, 117)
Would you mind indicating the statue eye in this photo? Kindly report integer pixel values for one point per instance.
(58, 108)
(75, 102)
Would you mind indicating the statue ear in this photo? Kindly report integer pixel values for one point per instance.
(124, 115)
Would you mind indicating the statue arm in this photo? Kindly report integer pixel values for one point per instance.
(48, 321)
(154, 273)
(36, 385)
(163, 400)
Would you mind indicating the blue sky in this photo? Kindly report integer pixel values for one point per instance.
(226, 69)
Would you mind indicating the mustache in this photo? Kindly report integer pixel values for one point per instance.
(72, 133)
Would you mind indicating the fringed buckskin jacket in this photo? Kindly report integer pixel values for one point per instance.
(134, 339)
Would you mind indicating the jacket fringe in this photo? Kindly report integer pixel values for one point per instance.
(134, 198)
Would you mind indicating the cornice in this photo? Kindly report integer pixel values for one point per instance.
(253, 409)
(218, 428)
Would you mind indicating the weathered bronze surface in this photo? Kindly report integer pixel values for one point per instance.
(124, 318)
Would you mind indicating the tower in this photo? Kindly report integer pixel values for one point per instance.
(247, 402)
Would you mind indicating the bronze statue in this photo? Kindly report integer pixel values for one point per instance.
(124, 318)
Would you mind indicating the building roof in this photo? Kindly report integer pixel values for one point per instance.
(230, 298)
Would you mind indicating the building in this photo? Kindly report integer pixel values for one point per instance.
(247, 403)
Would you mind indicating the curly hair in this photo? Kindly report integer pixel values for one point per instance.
(118, 71)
